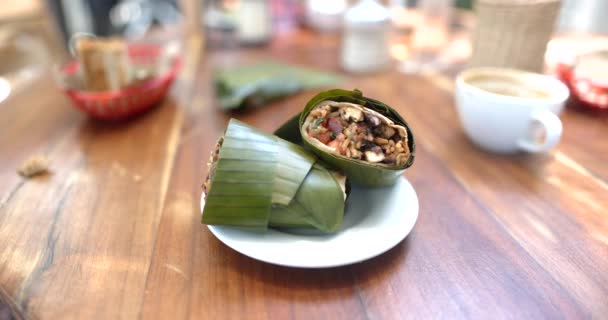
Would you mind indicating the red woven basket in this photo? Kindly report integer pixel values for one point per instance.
(584, 92)
(131, 100)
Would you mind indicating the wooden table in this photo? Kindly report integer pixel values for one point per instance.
(114, 231)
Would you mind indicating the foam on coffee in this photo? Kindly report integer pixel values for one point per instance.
(507, 86)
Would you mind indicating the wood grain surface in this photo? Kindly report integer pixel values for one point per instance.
(114, 231)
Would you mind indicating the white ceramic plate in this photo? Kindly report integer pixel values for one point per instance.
(375, 221)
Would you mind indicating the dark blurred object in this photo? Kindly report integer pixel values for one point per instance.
(256, 85)
(100, 14)
(131, 18)
(513, 33)
(587, 78)
(131, 100)
(71, 19)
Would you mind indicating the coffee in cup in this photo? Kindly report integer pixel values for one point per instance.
(500, 109)
(507, 86)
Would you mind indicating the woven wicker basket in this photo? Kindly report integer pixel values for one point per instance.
(513, 33)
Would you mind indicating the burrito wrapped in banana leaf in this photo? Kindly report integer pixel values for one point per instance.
(362, 137)
(257, 180)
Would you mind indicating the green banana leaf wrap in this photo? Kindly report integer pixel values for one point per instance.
(358, 172)
(258, 84)
(257, 180)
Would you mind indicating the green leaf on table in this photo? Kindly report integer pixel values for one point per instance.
(258, 84)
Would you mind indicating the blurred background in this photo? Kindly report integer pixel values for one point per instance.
(422, 35)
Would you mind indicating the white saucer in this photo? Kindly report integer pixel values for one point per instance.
(375, 221)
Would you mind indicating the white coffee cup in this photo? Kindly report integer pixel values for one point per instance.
(503, 110)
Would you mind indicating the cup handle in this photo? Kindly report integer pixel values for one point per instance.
(553, 131)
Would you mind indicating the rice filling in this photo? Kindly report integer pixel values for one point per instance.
(355, 132)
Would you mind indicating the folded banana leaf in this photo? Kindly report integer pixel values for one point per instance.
(258, 84)
(257, 180)
(362, 137)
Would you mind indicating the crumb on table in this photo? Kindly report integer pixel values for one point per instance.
(34, 166)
